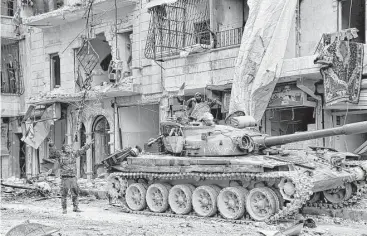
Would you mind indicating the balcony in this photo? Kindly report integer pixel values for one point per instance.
(11, 77)
(64, 11)
(126, 87)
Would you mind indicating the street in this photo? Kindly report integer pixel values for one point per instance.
(98, 218)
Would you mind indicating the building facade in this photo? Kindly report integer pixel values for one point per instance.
(123, 62)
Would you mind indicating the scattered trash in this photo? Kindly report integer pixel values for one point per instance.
(337, 221)
(310, 223)
(186, 225)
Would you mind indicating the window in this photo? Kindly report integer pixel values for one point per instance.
(55, 71)
(8, 7)
(353, 16)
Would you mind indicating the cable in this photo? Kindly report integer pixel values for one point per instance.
(116, 56)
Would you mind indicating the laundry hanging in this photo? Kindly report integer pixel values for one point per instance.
(342, 69)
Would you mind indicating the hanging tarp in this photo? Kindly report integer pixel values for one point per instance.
(36, 134)
(263, 46)
(342, 69)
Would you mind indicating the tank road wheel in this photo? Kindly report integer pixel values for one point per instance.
(232, 202)
(157, 197)
(180, 199)
(113, 188)
(262, 203)
(135, 197)
(204, 201)
(339, 195)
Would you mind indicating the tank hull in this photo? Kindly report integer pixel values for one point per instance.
(279, 182)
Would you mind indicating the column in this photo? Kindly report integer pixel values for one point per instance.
(89, 172)
(116, 126)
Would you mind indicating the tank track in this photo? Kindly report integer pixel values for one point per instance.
(302, 182)
(355, 198)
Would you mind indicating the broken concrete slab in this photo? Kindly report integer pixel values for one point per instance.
(345, 213)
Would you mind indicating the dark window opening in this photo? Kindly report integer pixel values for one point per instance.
(10, 8)
(55, 71)
(291, 120)
(353, 16)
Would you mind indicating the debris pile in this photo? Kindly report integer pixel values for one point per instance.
(14, 187)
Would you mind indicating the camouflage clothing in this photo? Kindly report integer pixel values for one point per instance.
(72, 184)
(66, 162)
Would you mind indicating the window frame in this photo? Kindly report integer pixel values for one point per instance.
(53, 70)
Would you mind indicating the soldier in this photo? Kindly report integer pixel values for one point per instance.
(199, 109)
(66, 162)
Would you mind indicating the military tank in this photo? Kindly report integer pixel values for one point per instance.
(234, 172)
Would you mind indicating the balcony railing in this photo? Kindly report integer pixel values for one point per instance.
(229, 37)
(41, 6)
(11, 81)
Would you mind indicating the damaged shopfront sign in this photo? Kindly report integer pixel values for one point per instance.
(35, 131)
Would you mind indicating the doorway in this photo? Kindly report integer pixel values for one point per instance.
(83, 157)
(101, 148)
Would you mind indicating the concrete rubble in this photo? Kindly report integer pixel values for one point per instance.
(48, 187)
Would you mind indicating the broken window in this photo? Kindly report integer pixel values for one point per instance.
(178, 25)
(55, 71)
(353, 16)
(8, 7)
(10, 68)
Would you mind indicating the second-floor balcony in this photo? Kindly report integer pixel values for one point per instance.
(40, 13)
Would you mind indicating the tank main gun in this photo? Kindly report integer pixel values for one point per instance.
(269, 141)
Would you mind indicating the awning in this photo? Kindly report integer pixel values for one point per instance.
(154, 3)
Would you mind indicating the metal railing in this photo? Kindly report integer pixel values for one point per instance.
(11, 76)
(228, 37)
(8, 7)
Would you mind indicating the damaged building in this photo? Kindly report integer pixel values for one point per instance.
(112, 70)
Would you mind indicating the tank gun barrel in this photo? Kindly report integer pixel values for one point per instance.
(355, 128)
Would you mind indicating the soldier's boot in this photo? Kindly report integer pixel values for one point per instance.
(63, 205)
(76, 204)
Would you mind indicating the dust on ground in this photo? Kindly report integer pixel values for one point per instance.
(98, 218)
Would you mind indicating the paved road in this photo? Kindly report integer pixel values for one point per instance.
(100, 219)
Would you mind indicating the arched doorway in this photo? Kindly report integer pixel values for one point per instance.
(101, 148)
(83, 157)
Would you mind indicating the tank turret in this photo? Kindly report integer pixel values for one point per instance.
(268, 141)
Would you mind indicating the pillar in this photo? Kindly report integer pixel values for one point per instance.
(116, 129)
(89, 172)
(29, 153)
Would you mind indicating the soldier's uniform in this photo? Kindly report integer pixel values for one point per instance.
(66, 163)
